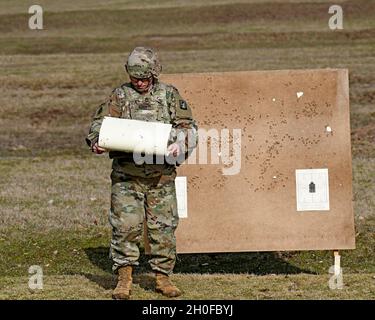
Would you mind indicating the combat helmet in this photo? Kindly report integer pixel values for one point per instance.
(142, 63)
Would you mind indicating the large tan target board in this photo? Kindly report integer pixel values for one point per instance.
(290, 186)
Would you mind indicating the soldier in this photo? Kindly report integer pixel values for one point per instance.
(145, 192)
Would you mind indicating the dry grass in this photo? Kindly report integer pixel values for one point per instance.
(54, 193)
(364, 187)
(18, 6)
(241, 286)
(179, 27)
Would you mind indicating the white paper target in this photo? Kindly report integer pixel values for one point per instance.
(134, 136)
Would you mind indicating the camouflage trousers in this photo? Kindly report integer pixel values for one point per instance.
(133, 201)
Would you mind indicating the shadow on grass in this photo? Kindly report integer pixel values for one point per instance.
(258, 263)
(108, 282)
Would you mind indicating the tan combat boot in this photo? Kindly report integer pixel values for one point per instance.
(165, 286)
(124, 284)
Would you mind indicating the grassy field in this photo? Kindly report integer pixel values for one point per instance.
(54, 194)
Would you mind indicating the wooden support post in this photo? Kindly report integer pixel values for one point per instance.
(337, 265)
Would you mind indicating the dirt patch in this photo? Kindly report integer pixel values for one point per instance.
(257, 40)
(52, 117)
(50, 114)
(365, 97)
(36, 140)
(363, 141)
(361, 79)
(281, 11)
(366, 133)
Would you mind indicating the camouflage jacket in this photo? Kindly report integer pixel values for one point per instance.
(162, 103)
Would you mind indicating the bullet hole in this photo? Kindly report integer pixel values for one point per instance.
(328, 129)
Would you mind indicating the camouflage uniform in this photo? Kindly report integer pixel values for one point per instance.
(145, 191)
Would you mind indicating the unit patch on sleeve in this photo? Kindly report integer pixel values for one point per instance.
(183, 105)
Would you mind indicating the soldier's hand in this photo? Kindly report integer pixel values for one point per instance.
(174, 149)
(96, 149)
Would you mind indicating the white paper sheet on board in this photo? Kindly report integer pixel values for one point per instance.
(312, 189)
(134, 135)
(181, 193)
